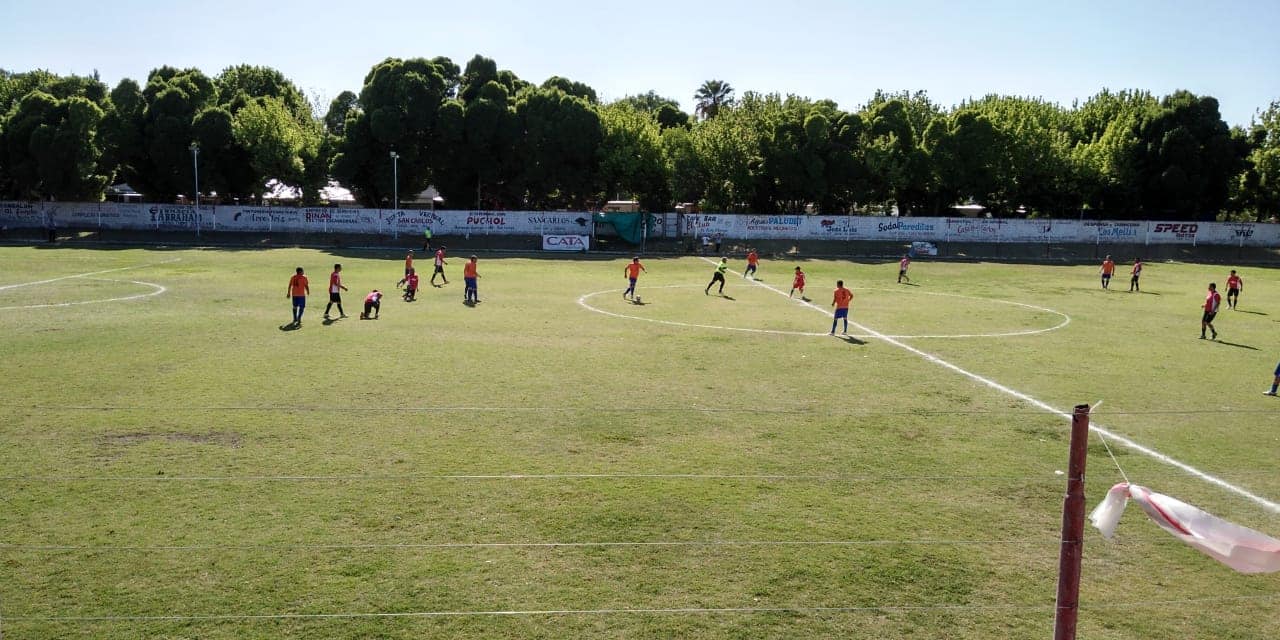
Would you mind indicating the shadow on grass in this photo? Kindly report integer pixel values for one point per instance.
(292, 326)
(909, 284)
(1256, 313)
(1150, 293)
(1233, 344)
(471, 303)
(852, 340)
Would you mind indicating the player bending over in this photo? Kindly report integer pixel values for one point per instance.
(372, 304)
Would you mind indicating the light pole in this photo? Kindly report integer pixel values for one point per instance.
(195, 163)
(395, 179)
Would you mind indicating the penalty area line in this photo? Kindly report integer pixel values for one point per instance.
(1131, 444)
(83, 275)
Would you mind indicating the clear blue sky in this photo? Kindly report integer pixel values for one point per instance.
(843, 51)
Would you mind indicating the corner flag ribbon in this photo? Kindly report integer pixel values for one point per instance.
(1240, 548)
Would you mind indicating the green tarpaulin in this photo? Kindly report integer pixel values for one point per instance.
(630, 226)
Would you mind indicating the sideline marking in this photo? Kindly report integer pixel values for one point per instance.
(1066, 319)
(84, 275)
(1218, 482)
(158, 289)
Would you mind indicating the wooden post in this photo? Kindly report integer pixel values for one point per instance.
(1064, 624)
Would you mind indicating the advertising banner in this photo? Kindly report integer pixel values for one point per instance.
(1114, 232)
(572, 224)
(73, 215)
(1172, 232)
(21, 214)
(565, 243)
(908, 229)
(764, 227)
(974, 229)
(697, 225)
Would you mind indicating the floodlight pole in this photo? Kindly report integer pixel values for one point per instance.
(195, 163)
(395, 180)
(1064, 624)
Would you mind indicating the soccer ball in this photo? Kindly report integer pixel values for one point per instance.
(637, 299)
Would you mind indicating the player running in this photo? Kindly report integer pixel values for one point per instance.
(797, 284)
(439, 264)
(902, 268)
(632, 271)
(753, 260)
(840, 301)
(1134, 275)
(718, 276)
(372, 304)
(1108, 268)
(299, 289)
(1275, 384)
(335, 292)
(470, 292)
(1211, 302)
(1235, 284)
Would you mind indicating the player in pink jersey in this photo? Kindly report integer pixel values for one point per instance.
(902, 268)
(1211, 303)
(1235, 284)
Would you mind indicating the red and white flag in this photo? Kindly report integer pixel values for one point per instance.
(1240, 548)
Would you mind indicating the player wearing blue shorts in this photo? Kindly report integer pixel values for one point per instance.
(1275, 384)
(841, 301)
(299, 289)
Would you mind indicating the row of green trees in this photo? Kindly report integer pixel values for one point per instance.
(488, 139)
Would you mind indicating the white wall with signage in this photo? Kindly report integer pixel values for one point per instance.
(396, 223)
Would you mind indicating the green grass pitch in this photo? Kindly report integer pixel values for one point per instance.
(559, 462)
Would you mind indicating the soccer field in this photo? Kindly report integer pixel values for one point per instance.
(558, 462)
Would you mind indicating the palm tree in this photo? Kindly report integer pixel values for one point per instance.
(712, 95)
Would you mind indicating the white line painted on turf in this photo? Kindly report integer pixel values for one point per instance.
(156, 290)
(582, 300)
(84, 275)
(1218, 482)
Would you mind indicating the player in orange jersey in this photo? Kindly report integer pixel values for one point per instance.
(299, 289)
(840, 300)
(632, 271)
(797, 284)
(470, 292)
(1108, 268)
(753, 261)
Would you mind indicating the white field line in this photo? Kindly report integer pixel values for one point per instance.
(582, 301)
(83, 275)
(1145, 604)
(1213, 480)
(157, 290)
